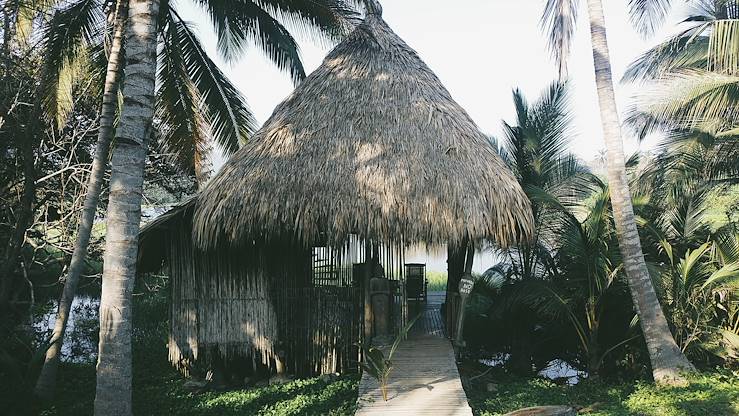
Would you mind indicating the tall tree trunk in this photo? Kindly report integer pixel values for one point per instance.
(45, 385)
(10, 18)
(203, 165)
(24, 212)
(113, 392)
(666, 358)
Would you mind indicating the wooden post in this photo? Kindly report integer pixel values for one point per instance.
(366, 276)
(470, 258)
(465, 288)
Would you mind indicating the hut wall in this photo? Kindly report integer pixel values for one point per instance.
(261, 299)
(221, 302)
(319, 327)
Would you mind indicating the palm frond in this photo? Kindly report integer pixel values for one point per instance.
(648, 15)
(68, 33)
(331, 19)
(726, 244)
(229, 119)
(182, 125)
(237, 23)
(726, 277)
(683, 51)
(691, 98)
(723, 48)
(558, 22)
(29, 13)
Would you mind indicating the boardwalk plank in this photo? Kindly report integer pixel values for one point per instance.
(425, 380)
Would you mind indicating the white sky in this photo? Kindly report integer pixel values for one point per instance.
(480, 49)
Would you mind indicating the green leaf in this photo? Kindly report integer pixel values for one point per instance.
(229, 119)
(727, 276)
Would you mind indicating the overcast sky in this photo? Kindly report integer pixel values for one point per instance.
(480, 49)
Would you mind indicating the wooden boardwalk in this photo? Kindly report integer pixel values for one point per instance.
(425, 380)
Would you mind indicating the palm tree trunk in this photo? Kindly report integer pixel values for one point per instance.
(46, 382)
(666, 358)
(113, 391)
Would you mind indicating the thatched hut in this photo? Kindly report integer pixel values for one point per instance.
(369, 148)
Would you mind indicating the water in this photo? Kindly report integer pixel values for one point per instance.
(562, 370)
(81, 338)
(557, 369)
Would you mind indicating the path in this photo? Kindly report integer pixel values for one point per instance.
(425, 380)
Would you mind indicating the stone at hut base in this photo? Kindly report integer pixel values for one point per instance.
(279, 379)
(544, 411)
(491, 387)
(195, 386)
(329, 378)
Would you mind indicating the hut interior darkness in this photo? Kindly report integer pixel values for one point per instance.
(370, 147)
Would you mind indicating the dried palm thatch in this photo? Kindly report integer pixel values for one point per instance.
(370, 143)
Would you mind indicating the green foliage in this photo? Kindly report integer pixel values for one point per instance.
(436, 281)
(159, 392)
(698, 293)
(568, 278)
(195, 100)
(706, 394)
(66, 38)
(692, 75)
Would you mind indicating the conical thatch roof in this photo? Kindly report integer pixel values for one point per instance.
(370, 143)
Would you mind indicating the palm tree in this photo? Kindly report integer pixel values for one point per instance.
(195, 104)
(113, 391)
(559, 20)
(235, 24)
(535, 149)
(694, 256)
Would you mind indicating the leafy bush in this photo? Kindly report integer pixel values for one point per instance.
(706, 394)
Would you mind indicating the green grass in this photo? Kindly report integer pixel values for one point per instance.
(436, 281)
(158, 388)
(710, 394)
(157, 392)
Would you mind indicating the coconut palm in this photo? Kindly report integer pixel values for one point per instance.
(195, 103)
(46, 380)
(536, 150)
(113, 391)
(559, 21)
(692, 76)
(235, 23)
(585, 278)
